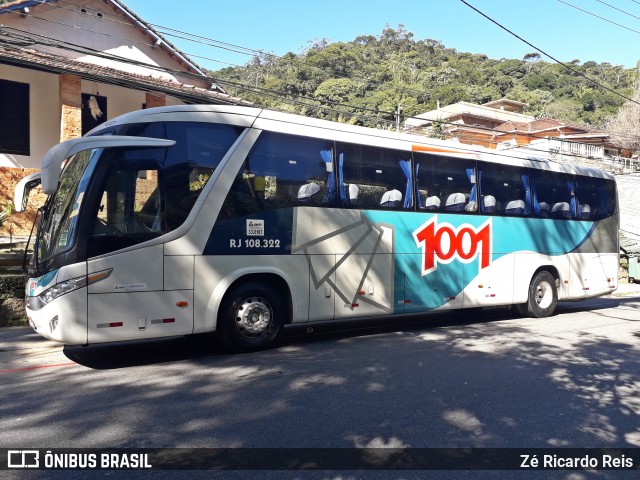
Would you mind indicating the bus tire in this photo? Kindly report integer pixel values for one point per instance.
(543, 296)
(251, 317)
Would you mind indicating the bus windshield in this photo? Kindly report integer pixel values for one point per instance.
(60, 223)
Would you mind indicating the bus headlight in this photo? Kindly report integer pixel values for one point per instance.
(62, 288)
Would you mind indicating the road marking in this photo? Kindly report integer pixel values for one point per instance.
(11, 370)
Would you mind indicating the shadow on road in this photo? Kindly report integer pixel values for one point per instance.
(175, 349)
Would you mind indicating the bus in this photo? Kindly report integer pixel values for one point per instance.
(239, 220)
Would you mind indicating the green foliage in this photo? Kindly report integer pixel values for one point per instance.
(6, 212)
(379, 72)
(11, 286)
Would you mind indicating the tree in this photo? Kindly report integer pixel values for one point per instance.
(624, 126)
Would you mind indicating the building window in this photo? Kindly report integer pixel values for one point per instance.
(94, 111)
(14, 118)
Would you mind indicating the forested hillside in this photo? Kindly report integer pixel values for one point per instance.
(372, 75)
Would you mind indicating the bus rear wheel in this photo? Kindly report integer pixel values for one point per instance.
(543, 296)
(251, 317)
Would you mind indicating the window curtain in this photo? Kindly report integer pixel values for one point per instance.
(344, 199)
(330, 195)
(418, 197)
(482, 194)
(536, 203)
(527, 195)
(571, 185)
(473, 195)
(405, 165)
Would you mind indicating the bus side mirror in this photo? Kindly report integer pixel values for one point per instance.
(24, 187)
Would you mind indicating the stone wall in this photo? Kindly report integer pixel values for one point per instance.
(629, 197)
(18, 223)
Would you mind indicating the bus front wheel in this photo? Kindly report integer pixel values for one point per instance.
(543, 296)
(251, 317)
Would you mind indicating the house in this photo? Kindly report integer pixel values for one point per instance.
(501, 124)
(468, 122)
(66, 67)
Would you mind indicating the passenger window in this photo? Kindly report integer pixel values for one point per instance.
(374, 178)
(283, 171)
(554, 195)
(596, 198)
(446, 184)
(148, 192)
(504, 190)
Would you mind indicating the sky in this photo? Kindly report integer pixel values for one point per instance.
(281, 26)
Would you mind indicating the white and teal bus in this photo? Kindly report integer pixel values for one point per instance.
(191, 219)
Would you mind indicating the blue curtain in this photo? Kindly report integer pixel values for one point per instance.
(482, 194)
(536, 202)
(572, 189)
(344, 199)
(473, 196)
(527, 195)
(418, 197)
(405, 165)
(330, 196)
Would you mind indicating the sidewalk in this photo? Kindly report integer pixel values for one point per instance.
(626, 290)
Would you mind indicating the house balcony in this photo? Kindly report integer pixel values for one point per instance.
(561, 150)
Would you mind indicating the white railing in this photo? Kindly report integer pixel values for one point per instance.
(561, 146)
(584, 154)
(621, 164)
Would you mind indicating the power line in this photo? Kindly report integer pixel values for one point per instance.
(291, 98)
(601, 18)
(231, 47)
(207, 41)
(618, 9)
(268, 92)
(565, 65)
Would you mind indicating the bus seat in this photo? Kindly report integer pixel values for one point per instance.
(471, 207)
(432, 203)
(391, 199)
(545, 210)
(307, 191)
(455, 202)
(489, 202)
(585, 212)
(561, 210)
(515, 207)
(354, 191)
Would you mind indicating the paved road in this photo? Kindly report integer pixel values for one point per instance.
(482, 379)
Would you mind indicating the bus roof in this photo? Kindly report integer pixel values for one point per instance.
(282, 122)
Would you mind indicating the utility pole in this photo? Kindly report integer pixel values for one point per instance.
(398, 112)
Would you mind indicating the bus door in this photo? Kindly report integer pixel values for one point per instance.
(145, 295)
(132, 302)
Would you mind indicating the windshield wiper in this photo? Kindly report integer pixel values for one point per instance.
(39, 218)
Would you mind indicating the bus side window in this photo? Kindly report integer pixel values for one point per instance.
(446, 183)
(554, 195)
(374, 178)
(596, 198)
(504, 189)
(282, 171)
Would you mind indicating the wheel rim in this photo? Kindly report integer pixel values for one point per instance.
(254, 317)
(544, 295)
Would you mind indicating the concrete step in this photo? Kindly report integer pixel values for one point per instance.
(11, 259)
